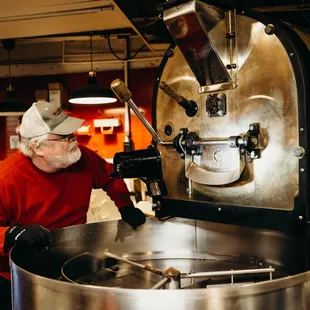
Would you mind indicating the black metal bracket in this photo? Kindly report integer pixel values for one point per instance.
(250, 147)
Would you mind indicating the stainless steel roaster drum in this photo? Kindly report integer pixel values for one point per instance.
(216, 251)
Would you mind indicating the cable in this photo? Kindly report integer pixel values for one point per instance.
(153, 21)
(163, 219)
(9, 61)
(9, 45)
(128, 58)
(91, 52)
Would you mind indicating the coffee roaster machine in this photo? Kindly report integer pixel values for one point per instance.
(227, 173)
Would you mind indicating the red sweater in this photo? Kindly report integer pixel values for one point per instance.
(53, 200)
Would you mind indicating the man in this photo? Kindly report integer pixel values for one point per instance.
(48, 184)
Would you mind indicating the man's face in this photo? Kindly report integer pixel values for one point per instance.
(60, 151)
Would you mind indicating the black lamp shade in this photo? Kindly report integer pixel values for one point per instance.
(92, 93)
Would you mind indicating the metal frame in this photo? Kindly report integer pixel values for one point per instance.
(294, 222)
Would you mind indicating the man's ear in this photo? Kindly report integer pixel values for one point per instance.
(37, 149)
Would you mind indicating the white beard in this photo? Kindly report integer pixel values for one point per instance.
(60, 162)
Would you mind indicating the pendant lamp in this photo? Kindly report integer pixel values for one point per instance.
(92, 93)
(10, 105)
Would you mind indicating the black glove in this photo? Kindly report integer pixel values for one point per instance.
(34, 236)
(133, 216)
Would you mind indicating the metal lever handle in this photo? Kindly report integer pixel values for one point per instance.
(123, 93)
(121, 90)
(190, 107)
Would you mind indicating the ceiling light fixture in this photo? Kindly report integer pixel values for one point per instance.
(92, 93)
(10, 105)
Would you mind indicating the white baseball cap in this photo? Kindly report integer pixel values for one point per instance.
(45, 117)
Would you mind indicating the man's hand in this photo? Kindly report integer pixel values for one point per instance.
(133, 216)
(34, 236)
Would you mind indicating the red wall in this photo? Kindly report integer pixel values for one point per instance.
(141, 84)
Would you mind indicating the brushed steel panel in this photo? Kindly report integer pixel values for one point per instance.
(266, 94)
